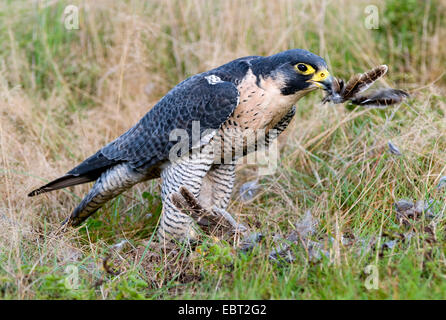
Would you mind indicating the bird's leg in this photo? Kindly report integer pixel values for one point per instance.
(216, 220)
(208, 209)
(216, 192)
(236, 226)
(187, 172)
(210, 220)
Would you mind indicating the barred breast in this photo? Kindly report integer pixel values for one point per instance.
(261, 108)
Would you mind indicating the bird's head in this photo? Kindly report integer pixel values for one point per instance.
(297, 70)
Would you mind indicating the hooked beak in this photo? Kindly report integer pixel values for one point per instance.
(322, 79)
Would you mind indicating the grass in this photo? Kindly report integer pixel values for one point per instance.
(65, 93)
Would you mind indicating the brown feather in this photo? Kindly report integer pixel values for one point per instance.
(362, 81)
(336, 85)
(381, 98)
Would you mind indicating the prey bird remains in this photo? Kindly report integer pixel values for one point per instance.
(340, 92)
(245, 98)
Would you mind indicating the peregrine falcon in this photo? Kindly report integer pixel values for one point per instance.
(223, 107)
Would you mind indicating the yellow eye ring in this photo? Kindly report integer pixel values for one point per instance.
(304, 68)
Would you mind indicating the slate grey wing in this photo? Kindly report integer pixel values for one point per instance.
(195, 99)
(126, 161)
(146, 143)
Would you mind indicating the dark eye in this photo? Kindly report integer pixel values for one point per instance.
(302, 67)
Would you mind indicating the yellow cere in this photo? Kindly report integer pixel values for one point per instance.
(321, 76)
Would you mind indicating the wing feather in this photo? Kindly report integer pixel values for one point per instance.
(195, 99)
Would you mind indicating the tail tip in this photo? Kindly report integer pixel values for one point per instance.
(32, 193)
(36, 192)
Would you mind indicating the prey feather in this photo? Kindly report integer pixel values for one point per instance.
(341, 92)
(361, 82)
(381, 98)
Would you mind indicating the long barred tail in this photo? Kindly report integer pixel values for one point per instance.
(110, 184)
